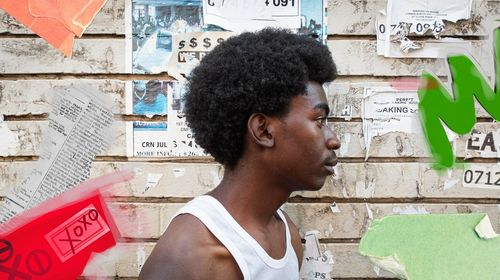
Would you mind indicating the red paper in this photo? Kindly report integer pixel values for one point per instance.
(56, 239)
(57, 21)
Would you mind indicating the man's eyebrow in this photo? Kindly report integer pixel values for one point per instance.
(324, 107)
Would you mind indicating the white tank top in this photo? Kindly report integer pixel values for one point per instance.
(252, 259)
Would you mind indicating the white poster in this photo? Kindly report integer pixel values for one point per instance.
(418, 17)
(181, 138)
(244, 15)
(147, 139)
(386, 109)
(169, 138)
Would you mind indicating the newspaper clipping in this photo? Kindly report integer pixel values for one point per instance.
(79, 129)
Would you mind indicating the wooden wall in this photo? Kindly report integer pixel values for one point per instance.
(395, 179)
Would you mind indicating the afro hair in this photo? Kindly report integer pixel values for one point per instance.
(250, 73)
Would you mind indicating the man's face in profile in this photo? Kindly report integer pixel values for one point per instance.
(306, 142)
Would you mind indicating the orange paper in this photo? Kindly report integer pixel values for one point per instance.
(57, 21)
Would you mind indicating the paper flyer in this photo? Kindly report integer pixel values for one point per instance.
(158, 138)
(417, 17)
(386, 109)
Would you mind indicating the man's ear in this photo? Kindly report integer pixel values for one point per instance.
(261, 129)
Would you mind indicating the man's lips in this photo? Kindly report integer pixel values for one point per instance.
(329, 166)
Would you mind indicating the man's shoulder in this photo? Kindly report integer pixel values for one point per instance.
(189, 250)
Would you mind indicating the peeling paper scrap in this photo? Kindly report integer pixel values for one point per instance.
(312, 249)
(387, 110)
(484, 144)
(437, 246)
(315, 264)
(56, 21)
(9, 141)
(179, 172)
(320, 268)
(417, 17)
(334, 207)
(347, 112)
(482, 176)
(152, 181)
(485, 230)
(410, 210)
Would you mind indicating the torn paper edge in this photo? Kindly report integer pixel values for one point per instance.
(484, 229)
(407, 44)
(9, 141)
(312, 248)
(391, 264)
(152, 181)
(128, 37)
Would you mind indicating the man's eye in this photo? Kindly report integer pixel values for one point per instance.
(322, 121)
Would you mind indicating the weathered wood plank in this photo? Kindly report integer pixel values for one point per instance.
(354, 218)
(23, 55)
(359, 57)
(352, 180)
(30, 136)
(342, 94)
(393, 144)
(110, 20)
(24, 97)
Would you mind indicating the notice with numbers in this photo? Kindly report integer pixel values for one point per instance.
(243, 15)
(416, 18)
(79, 129)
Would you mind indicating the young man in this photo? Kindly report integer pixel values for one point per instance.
(257, 105)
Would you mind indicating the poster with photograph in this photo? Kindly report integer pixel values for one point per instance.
(154, 23)
(181, 138)
(147, 139)
(147, 98)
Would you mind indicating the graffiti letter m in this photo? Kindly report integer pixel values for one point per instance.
(457, 111)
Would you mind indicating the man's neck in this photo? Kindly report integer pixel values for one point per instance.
(251, 195)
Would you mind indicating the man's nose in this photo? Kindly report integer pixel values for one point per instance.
(332, 141)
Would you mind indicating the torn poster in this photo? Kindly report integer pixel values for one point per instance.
(182, 142)
(153, 24)
(386, 109)
(147, 139)
(482, 176)
(79, 129)
(190, 48)
(58, 22)
(9, 142)
(64, 233)
(437, 246)
(484, 145)
(418, 17)
(241, 16)
(159, 138)
(147, 98)
(315, 263)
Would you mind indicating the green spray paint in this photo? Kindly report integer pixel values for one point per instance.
(456, 112)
